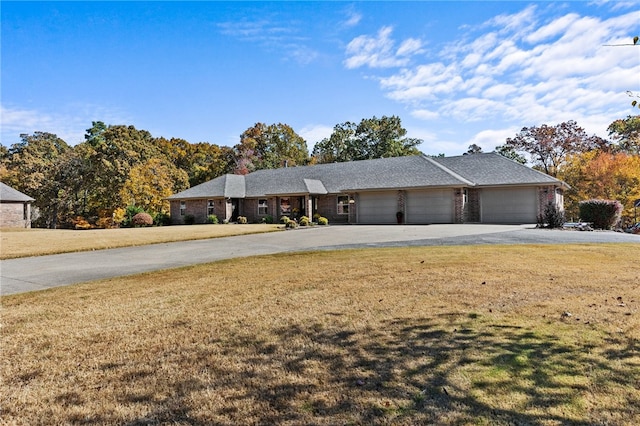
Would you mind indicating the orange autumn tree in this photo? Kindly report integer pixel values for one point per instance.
(602, 175)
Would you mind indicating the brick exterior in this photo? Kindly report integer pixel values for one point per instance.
(15, 215)
(458, 205)
(472, 206)
(549, 194)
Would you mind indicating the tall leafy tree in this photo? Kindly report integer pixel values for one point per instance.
(509, 152)
(150, 183)
(112, 151)
(602, 174)
(626, 133)
(270, 147)
(473, 149)
(549, 146)
(371, 138)
(32, 166)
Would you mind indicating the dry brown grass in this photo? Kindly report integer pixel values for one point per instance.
(37, 242)
(440, 335)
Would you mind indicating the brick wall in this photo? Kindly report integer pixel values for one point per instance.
(12, 215)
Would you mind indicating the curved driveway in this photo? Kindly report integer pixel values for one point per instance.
(42, 272)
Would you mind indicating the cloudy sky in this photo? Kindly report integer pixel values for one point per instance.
(456, 73)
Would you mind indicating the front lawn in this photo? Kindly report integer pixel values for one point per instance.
(542, 335)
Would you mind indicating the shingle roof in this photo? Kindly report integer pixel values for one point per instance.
(8, 194)
(487, 169)
(384, 173)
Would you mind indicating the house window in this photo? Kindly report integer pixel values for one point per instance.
(285, 205)
(343, 204)
(262, 206)
(183, 207)
(211, 209)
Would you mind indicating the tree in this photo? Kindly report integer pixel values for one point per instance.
(549, 146)
(111, 152)
(371, 138)
(473, 149)
(627, 134)
(150, 183)
(32, 166)
(270, 147)
(509, 152)
(602, 175)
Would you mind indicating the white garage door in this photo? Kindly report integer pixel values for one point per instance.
(508, 205)
(429, 206)
(377, 207)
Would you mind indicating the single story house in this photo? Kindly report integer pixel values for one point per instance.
(475, 188)
(15, 208)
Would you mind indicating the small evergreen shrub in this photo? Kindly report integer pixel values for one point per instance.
(603, 214)
(316, 216)
(323, 220)
(189, 219)
(212, 218)
(162, 219)
(285, 219)
(267, 219)
(242, 220)
(304, 221)
(142, 219)
(129, 213)
(552, 217)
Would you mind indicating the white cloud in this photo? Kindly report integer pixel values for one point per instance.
(379, 51)
(314, 133)
(68, 123)
(527, 69)
(353, 18)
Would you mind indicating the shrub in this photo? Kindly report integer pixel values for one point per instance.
(292, 224)
(212, 218)
(129, 213)
(242, 220)
(104, 223)
(304, 221)
(189, 219)
(267, 219)
(552, 217)
(316, 216)
(142, 219)
(285, 219)
(162, 219)
(323, 220)
(81, 223)
(602, 213)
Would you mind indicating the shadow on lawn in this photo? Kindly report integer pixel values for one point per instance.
(416, 372)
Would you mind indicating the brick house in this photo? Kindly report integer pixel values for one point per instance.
(477, 188)
(15, 208)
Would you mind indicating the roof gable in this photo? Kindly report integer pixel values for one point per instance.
(8, 194)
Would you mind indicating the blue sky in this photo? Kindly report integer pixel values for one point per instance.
(456, 73)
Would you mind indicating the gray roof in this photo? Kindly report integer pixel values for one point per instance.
(8, 194)
(384, 173)
(490, 169)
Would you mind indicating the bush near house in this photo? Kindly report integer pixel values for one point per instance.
(242, 220)
(142, 219)
(323, 220)
(603, 214)
(552, 217)
(212, 218)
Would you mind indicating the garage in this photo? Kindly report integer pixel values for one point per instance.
(377, 207)
(429, 206)
(508, 205)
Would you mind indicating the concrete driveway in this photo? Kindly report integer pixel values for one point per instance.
(38, 273)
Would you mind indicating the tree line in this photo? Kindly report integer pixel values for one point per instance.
(119, 167)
